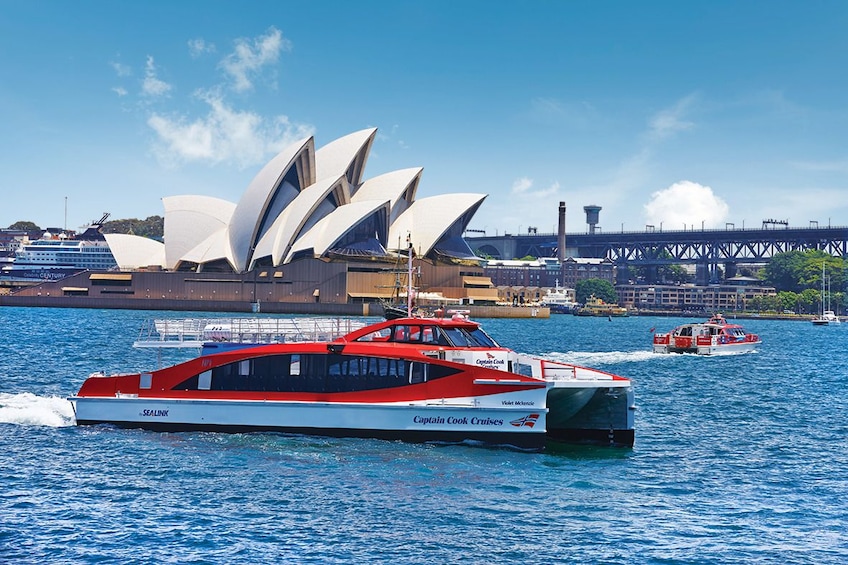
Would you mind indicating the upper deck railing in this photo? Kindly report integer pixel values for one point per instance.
(194, 332)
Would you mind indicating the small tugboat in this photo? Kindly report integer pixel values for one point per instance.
(417, 379)
(716, 336)
(596, 307)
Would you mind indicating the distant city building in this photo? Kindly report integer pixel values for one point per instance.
(12, 240)
(576, 269)
(528, 281)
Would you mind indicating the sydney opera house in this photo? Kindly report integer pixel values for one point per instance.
(309, 229)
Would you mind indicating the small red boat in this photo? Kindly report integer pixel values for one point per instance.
(415, 379)
(714, 337)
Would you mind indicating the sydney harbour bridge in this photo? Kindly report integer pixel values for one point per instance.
(705, 248)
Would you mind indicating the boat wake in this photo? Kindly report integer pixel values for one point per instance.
(587, 358)
(28, 409)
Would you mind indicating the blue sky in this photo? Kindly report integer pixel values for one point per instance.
(664, 113)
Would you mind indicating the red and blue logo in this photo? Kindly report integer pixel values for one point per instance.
(527, 421)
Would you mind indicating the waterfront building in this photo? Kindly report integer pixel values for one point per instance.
(689, 297)
(529, 280)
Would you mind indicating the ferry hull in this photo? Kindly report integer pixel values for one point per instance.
(606, 416)
(720, 349)
(520, 428)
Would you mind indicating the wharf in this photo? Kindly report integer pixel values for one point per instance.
(306, 308)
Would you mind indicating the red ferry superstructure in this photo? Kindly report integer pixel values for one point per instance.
(414, 379)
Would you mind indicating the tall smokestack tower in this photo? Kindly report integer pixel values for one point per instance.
(561, 233)
(592, 213)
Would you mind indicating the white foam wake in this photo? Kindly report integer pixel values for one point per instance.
(28, 409)
(594, 358)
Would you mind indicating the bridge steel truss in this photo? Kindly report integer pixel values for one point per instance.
(705, 248)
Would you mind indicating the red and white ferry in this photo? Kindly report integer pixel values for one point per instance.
(714, 337)
(415, 379)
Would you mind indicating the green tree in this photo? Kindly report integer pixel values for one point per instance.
(788, 300)
(152, 227)
(756, 303)
(809, 301)
(796, 271)
(784, 270)
(599, 287)
(27, 226)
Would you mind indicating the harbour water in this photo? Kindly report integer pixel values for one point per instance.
(738, 459)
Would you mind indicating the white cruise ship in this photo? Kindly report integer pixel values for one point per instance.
(54, 257)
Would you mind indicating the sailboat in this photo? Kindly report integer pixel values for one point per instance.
(826, 317)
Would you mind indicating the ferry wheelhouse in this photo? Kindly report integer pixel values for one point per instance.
(414, 379)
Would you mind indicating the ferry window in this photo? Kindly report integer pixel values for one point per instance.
(435, 371)
(417, 373)
(379, 335)
(524, 369)
(457, 337)
(483, 338)
(407, 334)
(145, 381)
(460, 337)
(428, 335)
(315, 374)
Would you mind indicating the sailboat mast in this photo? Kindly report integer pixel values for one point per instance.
(409, 278)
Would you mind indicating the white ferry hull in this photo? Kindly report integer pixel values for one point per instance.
(453, 421)
(717, 349)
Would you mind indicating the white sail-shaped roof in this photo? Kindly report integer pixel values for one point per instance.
(276, 185)
(308, 202)
(190, 220)
(323, 235)
(345, 156)
(214, 248)
(133, 251)
(428, 219)
(398, 187)
(308, 208)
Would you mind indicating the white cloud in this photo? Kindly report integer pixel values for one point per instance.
(121, 70)
(670, 121)
(688, 203)
(197, 47)
(250, 56)
(119, 90)
(223, 135)
(152, 86)
(522, 185)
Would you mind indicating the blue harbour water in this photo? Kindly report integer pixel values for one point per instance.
(738, 459)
